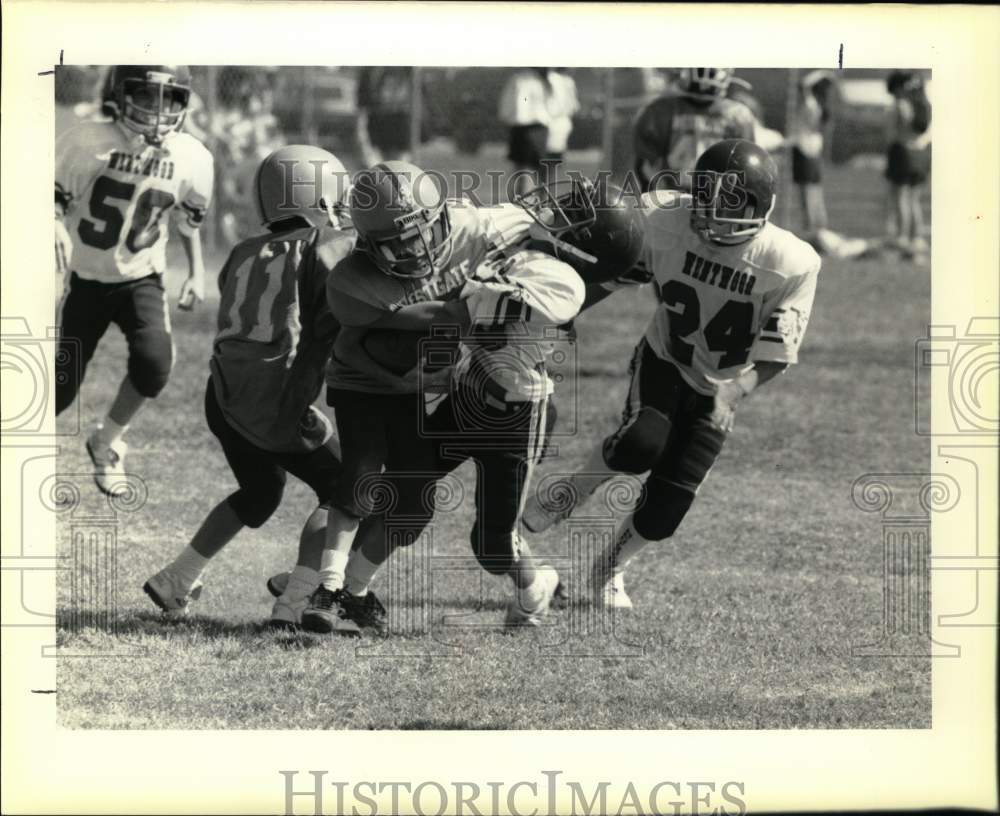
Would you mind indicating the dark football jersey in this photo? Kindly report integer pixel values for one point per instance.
(275, 335)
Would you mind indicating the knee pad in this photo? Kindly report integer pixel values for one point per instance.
(496, 550)
(151, 356)
(663, 507)
(254, 507)
(637, 447)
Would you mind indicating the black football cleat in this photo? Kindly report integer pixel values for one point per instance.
(325, 614)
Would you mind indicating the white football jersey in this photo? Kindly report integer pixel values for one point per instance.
(721, 308)
(521, 306)
(116, 190)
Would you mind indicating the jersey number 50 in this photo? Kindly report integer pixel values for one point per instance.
(146, 225)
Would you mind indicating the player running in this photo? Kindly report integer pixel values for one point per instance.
(114, 184)
(275, 335)
(735, 296)
(418, 256)
(672, 131)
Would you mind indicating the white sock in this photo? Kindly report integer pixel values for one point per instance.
(332, 566)
(110, 431)
(189, 565)
(302, 582)
(626, 544)
(360, 572)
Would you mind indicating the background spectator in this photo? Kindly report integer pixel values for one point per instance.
(524, 106)
(384, 99)
(811, 118)
(908, 160)
(562, 107)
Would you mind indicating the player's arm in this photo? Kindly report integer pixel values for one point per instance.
(424, 316)
(193, 207)
(777, 347)
(349, 349)
(73, 174)
(636, 276)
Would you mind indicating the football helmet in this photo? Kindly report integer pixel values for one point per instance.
(402, 219)
(300, 181)
(733, 190)
(706, 84)
(150, 99)
(594, 227)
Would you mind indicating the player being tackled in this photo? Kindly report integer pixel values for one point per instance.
(735, 293)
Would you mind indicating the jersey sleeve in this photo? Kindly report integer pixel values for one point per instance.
(75, 167)
(533, 288)
(786, 316)
(349, 310)
(742, 123)
(198, 193)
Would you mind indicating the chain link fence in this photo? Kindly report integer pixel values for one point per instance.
(442, 115)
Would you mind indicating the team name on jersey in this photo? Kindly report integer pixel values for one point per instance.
(450, 280)
(141, 165)
(716, 274)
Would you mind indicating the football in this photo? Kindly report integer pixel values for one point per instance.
(399, 351)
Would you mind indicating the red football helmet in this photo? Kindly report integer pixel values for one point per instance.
(734, 184)
(150, 99)
(402, 219)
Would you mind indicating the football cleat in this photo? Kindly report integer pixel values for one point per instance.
(365, 610)
(324, 614)
(109, 464)
(518, 616)
(277, 583)
(610, 593)
(171, 594)
(287, 612)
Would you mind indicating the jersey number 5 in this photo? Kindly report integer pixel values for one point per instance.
(729, 331)
(145, 219)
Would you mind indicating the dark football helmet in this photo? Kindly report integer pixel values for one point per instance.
(300, 181)
(594, 227)
(402, 219)
(733, 191)
(706, 84)
(149, 99)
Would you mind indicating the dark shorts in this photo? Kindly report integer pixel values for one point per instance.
(527, 145)
(261, 474)
(687, 444)
(506, 441)
(138, 308)
(806, 169)
(382, 432)
(389, 132)
(907, 166)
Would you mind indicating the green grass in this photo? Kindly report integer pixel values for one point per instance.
(746, 618)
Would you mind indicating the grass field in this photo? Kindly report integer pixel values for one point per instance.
(745, 619)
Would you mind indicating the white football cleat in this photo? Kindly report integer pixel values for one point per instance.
(611, 594)
(171, 594)
(109, 464)
(517, 616)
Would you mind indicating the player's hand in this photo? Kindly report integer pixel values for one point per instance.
(726, 399)
(192, 292)
(64, 248)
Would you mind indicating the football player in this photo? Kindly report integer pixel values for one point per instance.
(735, 293)
(418, 256)
(671, 132)
(496, 411)
(115, 184)
(275, 335)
